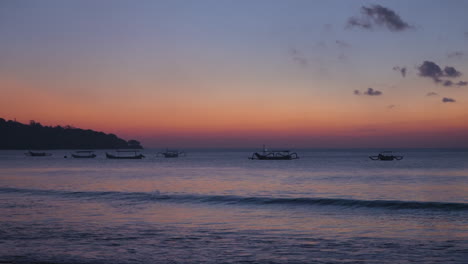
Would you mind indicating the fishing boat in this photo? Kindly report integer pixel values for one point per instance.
(136, 155)
(274, 155)
(84, 154)
(171, 153)
(37, 154)
(386, 155)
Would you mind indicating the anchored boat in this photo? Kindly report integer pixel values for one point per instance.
(84, 154)
(274, 155)
(37, 154)
(171, 153)
(125, 155)
(386, 155)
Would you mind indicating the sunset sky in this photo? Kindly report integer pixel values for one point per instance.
(222, 73)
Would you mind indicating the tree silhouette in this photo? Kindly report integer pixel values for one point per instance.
(15, 135)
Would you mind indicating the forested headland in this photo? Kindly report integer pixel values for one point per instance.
(16, 135)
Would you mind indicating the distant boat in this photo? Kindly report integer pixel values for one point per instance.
(386, 155)
(136, 155)
(171, 153)
(37, 154)
(274, 155)
(84, 154)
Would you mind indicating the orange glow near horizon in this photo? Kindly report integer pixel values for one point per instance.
(244, 122)
(238, 117)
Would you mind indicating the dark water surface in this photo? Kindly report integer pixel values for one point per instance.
(330, 206)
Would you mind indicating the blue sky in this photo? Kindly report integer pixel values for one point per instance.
(207, 60)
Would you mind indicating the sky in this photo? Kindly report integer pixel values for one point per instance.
(235, 74)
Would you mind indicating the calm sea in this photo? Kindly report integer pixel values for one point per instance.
(330, 206)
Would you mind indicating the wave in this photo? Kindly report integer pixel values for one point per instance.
(243, 200)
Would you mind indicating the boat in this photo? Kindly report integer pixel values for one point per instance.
(171, 153)
(136, 155)
(386, 155)
(84, 154)
(274, 155)
(37, 154)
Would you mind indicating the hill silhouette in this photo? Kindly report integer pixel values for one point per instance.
(15, 135)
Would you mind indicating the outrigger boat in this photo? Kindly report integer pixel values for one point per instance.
(171, 153)
(386, 155)
(135, 155)
(37, 154)
(274, 155)
(84, 154)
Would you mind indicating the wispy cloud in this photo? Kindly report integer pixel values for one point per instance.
(342, 44)
(378, 16)
(299, 58)
(448, 100)
(432, 94)
(369, 92)
(447, 83)
(401, 70)
(455, 55)
(391, 106)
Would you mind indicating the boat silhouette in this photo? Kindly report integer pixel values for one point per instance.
(386, 155)
(84, 154)
(37, 154)
(136, 155)
(274, 155)
(171, 153)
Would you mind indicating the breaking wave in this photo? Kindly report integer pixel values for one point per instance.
(242, 200)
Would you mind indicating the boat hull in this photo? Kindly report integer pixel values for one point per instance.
(83, 156)
(171, 155)
(110, 156)
(386, 158)
(273, 157)
(37, 154)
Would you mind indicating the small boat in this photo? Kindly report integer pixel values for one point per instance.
(84, 154)
(386, 155)
(37, 154)
(135, 155)
(171, 153)
(274, 155)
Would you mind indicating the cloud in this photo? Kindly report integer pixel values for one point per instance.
(432, 70)
(432, 94)
(448, 100)
(372, 92)
(402, 70)
(342, 57)
(377, 15)
(451, 72)
(299, 58)
(455, 54)
(391, 106)
(357, 22)
(342, 44)
(466, 34)
(447, 83)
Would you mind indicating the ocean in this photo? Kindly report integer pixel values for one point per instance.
(217, 206)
